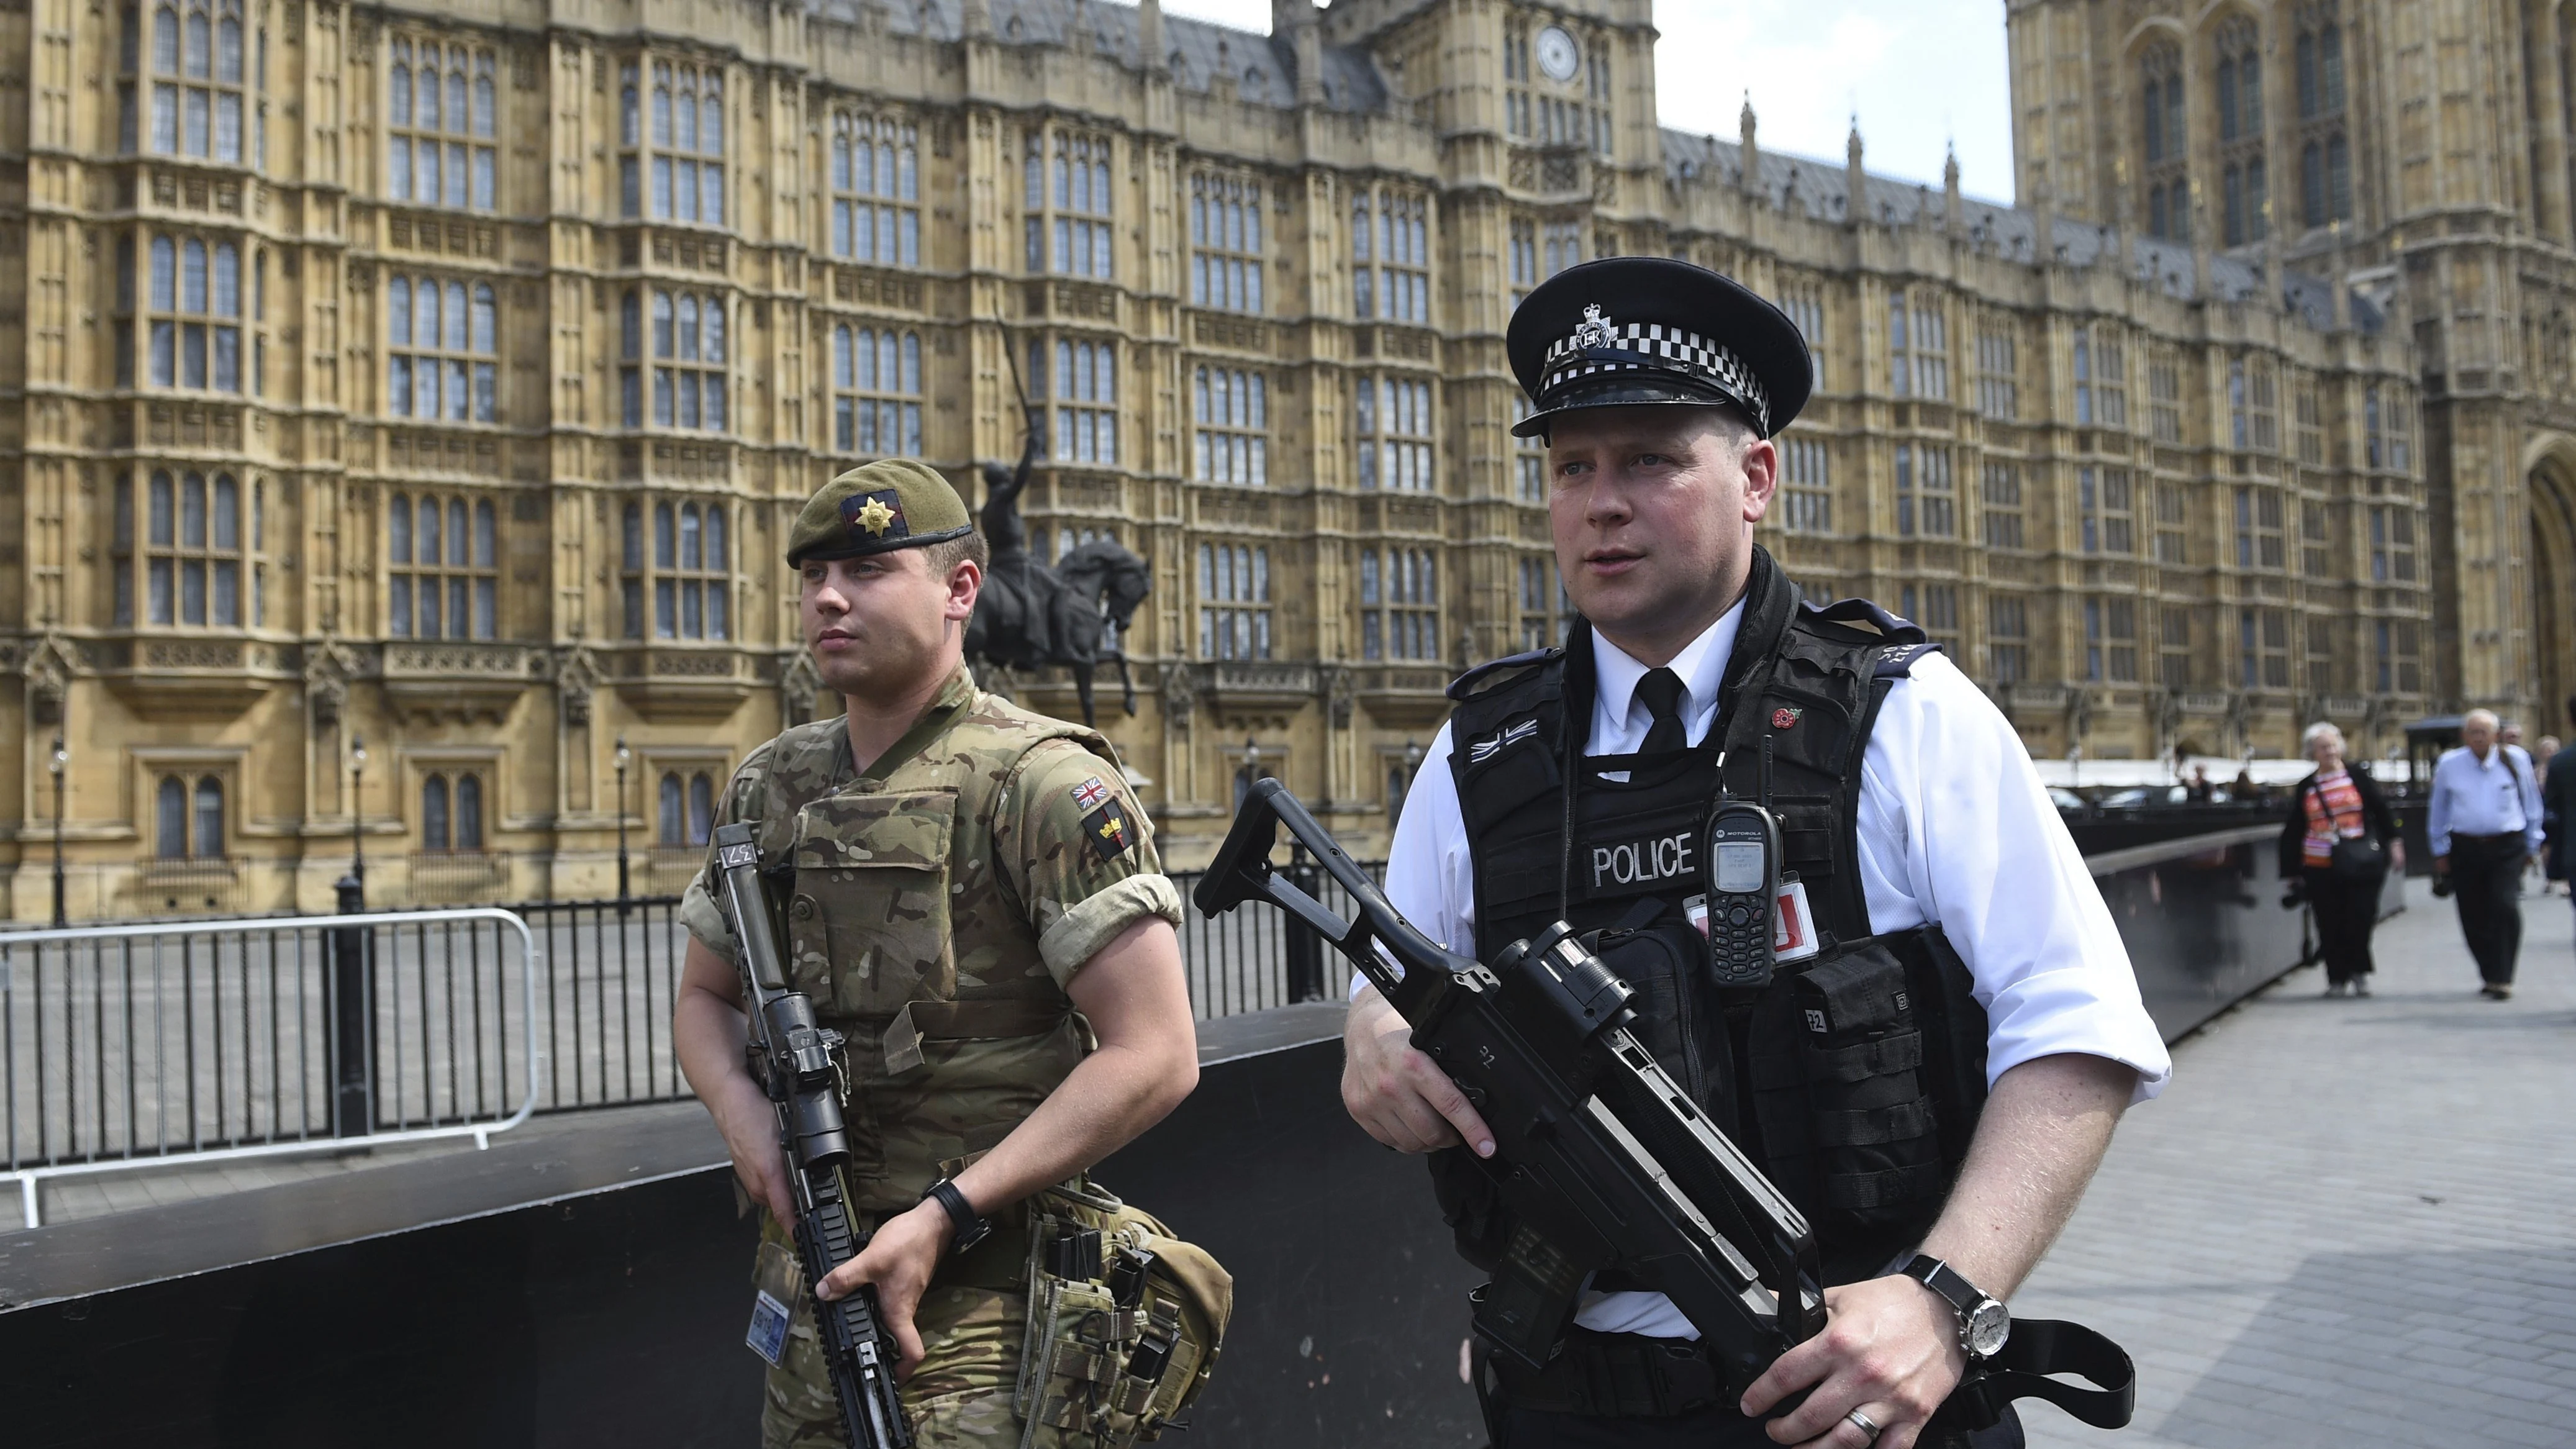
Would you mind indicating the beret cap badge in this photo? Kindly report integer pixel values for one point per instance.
(875, 513)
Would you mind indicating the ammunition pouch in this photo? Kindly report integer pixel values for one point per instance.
(1125, 1322)
(1840, 1088)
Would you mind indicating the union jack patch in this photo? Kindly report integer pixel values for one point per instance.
(1089, 793)
(1485, 749)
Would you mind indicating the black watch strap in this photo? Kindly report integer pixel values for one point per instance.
(970, 1229)
(1945, 1280)
(1985, 1325)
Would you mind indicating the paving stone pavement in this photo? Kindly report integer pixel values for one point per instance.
(2347, 1223)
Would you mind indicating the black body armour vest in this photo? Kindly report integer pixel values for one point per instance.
(1855, 1078)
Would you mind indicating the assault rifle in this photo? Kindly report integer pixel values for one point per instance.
(793, 1058)
(1602, 1157)
(1604, 1160)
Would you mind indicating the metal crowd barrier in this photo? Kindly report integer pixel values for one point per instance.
(1255, 960)
(205, 1041)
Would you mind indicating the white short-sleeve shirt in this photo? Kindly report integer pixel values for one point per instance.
(1955, 829)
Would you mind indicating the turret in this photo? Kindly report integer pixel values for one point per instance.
(1149, 35)
(1953, 211)
(1750, 178)
(1295, 20)
(1856, 181)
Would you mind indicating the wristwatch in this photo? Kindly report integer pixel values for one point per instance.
(1984, 1324)
(970, 1228)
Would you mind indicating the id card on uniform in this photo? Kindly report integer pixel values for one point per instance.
(776, 1283)
(1793, 933)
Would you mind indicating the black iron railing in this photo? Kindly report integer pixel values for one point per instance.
(193, 1038)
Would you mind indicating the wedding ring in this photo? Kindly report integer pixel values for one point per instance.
(1863, 1423)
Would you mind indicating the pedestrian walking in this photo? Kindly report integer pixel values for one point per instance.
(2337, 848)
(2558, 806)
(2484, 824)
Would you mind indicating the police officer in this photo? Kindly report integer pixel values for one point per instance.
(966, 877)
(1957, 941)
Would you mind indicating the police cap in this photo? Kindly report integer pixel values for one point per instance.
(877, 508)
(1646, 331)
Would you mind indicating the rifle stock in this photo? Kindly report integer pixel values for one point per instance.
(794, 1059)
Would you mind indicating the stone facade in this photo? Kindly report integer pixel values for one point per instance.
(2421, 149)
(444, 380)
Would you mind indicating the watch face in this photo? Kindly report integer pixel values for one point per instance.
(1556, 54)
(1988, 1326)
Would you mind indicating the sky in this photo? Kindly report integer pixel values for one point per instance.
(1920, 74)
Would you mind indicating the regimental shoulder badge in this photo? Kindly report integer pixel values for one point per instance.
(1108, 831)
(1089, 793)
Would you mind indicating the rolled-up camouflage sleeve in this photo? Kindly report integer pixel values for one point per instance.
(1080, 854)
(698, 909)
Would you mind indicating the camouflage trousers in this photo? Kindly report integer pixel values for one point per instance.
(960, 1397)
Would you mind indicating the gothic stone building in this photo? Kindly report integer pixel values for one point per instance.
(336, 420)
(2421, 149)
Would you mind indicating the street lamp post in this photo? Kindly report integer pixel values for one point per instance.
(348, 997)
(622, 758)
(60, 759)
(357, 811)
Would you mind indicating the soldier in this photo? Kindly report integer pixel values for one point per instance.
(976, 904)
(1947, 935)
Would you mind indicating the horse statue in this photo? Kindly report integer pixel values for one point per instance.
(1030, 615)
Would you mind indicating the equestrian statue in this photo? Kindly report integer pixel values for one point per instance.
(1031, 615)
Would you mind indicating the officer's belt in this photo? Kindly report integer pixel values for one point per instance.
(1617, 1376)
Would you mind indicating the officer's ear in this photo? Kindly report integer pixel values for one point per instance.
(1759, 457)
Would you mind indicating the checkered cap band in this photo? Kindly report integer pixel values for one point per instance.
(1655, 347)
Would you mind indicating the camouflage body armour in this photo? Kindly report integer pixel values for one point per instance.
(934, 909)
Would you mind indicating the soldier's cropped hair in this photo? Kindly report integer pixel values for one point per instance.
(943, 558)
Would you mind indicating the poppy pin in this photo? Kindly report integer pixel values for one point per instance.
(1783, 717)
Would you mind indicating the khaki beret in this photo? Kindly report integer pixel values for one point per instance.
(876, 508)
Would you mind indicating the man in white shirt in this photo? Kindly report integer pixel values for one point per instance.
(1661, 463)
(2485, 825)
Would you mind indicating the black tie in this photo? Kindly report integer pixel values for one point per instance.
(1661, 689)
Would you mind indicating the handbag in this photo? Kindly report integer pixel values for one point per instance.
(2354, 857)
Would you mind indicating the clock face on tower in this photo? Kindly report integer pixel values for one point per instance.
(1556, 54)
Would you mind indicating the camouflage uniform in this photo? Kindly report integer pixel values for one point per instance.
(942, 902)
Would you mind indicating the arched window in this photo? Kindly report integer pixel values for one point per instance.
(687, 144)
(876, 400)
(442, 354)
(210, 818)
(442, 590)
(702, 808)
(440, 100)
(469, 812)
(434, 832)
(170, 819)
(673, 819)
(689, 330)
(2238, 66)
(195, 336)
(2166, 142)
(197, 96)
(633, 555)
(691, 581)
(876, 190)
